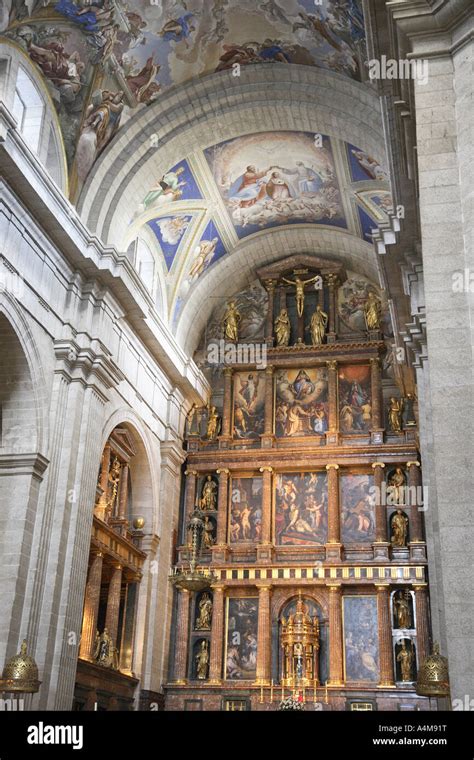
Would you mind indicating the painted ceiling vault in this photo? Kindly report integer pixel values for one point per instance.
(104, 60)
(206, 205)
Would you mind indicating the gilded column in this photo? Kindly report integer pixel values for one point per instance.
(386, 676)
(91, 606)
(332, 433)
(270, 288)
(268, 430)
(335, 636)
(113, 603)
(264, 636)
(182, 636)
(226, 432)
(217, 634)
(332, 280)
(381, 545)
(376, 393)
(333, 546)
(190, 502)
(422, 621)
(416, 533)
(264, 549)
(219, 553)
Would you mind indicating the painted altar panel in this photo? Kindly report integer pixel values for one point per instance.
(357, 500)
(245, 523)
(301, 506)
(249, 404)
(355, 402)
(241, 638)
(361, 648)
(301, 402)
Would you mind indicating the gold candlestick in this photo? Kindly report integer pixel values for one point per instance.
(326, 693)
(271, 692)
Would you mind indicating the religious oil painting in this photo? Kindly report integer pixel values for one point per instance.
(241, 649)
(355, 402)
(274, 178)
(249, 404)
(301, 509)
(361, 648)
(245, 523)
(357, 500)
(301, 405)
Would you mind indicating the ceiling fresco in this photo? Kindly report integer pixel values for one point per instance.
(105, 60)
(201, 208)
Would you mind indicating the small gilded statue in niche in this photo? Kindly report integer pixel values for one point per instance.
(372, 312)
(318, 325)
(282, 328)
(401, 604)
(202, 661)
(300, 286)
(395, 409)
(208, 500)
(396, 487)
(405, 657)
(213, 423)
(113, 484)
(105, 654)
(203, 622)
(208, 539)
(399, 528)
(231, 321)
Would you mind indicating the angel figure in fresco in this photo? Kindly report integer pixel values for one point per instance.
(178, 29)
(369, 165)
(142, 84)
(318, 26)
(282, 328)
(64, 70)
(101, 122)
(169, 187)
(204, 253)
(234, 53)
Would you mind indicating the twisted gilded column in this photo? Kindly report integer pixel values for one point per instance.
(91, 606)
(113, 603)
(182, 636)
(422, 620)
(333, 546)
(376, 393)
(264, 636)
(381, 545)
(217, 634)
(386, 676)
(336, 677)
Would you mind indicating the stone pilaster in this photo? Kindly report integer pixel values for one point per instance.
(217, 635)
(382, 544)
(386, 676)
(91, 606)
(336, 677)
(264, 636)
(333, 546)
(182, 636)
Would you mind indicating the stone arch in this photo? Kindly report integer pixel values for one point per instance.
(144, 467)
(318, 596)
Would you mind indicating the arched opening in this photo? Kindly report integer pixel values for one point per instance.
(28, 109)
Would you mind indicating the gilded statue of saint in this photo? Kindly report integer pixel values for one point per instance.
(402, 609)
(114, 480)
(208, 498)
(396, 484)
(212, 423)
(405, 658)
(202, 661)
(318, 325)
(282, 328)
(208, 539)
(399, 529)
(395, 409)
(231, 321)
(300, 286)
(203, 623)
(372, 312)
(105, 653)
